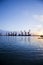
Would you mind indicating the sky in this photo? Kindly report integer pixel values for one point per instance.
(16, 15)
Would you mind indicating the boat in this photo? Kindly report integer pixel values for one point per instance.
(41, 37)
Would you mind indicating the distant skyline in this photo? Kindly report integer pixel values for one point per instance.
(16, 15)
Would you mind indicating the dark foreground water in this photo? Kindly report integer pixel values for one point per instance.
(20, 50)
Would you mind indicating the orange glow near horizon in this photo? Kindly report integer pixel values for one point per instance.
(41, 33)
(38, 33)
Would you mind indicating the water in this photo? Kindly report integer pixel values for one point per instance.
(21, 50)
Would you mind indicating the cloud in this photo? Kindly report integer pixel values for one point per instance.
(39, 26)
(38, 17)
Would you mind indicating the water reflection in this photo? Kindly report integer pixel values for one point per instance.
(27, 39)
(21, 48)
(22, 40)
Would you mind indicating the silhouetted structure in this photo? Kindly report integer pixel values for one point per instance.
(21, 33)
(25, 33)
(8, 34)
(29, 33)
(13, 33)
(16, 34)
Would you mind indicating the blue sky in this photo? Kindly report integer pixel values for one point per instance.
(21, 15)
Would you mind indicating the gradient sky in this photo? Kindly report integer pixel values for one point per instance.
(21, 15)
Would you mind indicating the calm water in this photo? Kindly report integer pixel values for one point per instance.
(20, 50)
